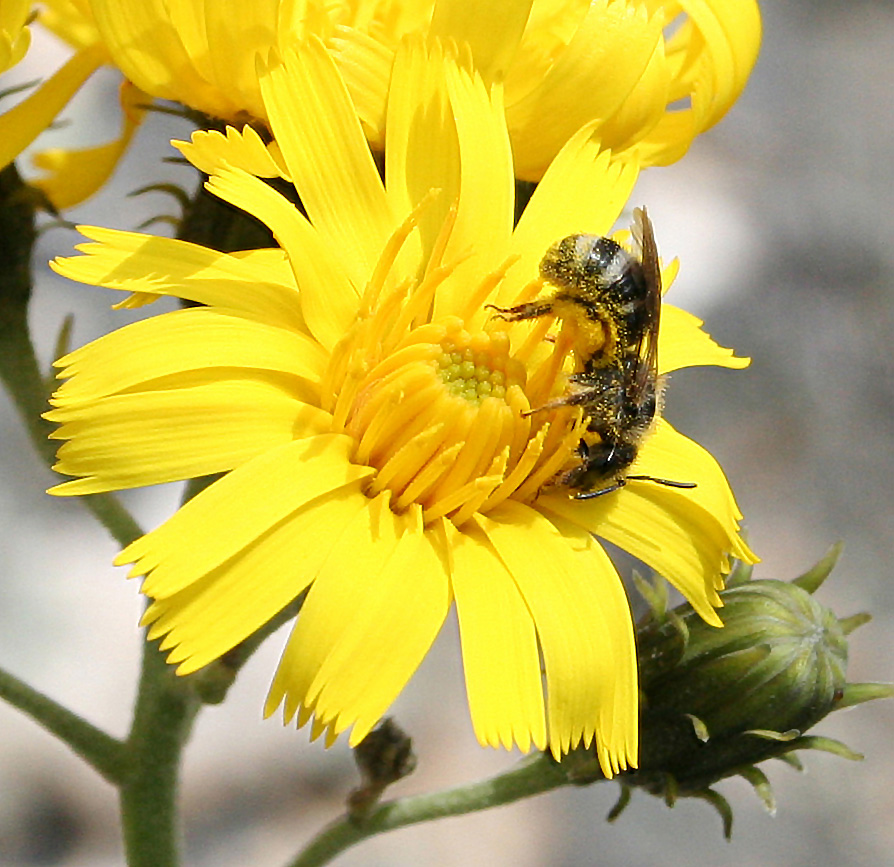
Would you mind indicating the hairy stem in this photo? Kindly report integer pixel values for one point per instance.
(165, 710)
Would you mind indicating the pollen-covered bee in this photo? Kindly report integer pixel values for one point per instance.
(612, 300)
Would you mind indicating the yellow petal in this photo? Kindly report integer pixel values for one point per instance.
(584, 627)
(366, 545)
(589, 81)
(486, 198)
(134, 262)
(499, 646)
(148, 47)
(671, 455)
(646, 104)
(209, 150)
(322, 142)
(131, 440)
(583, 190)
(365, 65)
(76, 174)
(329, 300)
(421, 150)
(370, 616)
(233, 512)
(14, 36)
(665, 527)
(731, 33)
(383, 642)
(683, 343)
(235, 33)
(618, 731)
(492, 31)
(197, 338)
(712, 51)
(212, 615)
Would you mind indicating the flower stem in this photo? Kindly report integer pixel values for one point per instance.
(101, 751)
(531, 777)
(165, 710)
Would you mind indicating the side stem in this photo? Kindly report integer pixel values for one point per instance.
(531, 777)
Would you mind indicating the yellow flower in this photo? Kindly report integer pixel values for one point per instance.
(370, 417)
(652, 74)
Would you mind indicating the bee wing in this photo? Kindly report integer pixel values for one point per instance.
(644, 376)
(644, 238)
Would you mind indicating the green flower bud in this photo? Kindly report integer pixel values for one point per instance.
(717, 698)
(716, 701)
(778, 663)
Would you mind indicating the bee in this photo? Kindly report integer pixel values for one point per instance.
(612, 300)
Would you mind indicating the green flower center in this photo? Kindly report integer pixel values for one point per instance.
(472, 375)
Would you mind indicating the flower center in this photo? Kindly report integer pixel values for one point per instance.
(453, 421)
(470, 374)
(445, 420)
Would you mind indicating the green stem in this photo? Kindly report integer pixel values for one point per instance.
(531, 777)
(102, 752)
(165, 710)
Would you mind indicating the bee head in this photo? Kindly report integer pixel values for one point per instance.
(593, 264)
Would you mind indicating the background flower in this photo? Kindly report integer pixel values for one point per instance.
(652, 75)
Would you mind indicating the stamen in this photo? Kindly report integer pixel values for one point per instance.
(534, 341)
(494, 479)
(377, 331)
(558, 454)
(517, 401)
(390, 253)
(402, 422)
(407, 460)
(437, 252)
(347, 393)
(416, 355)
(459, 497)
(519, 472)
(419, 304)
(543, 381)
(486, 287)
(428, 476)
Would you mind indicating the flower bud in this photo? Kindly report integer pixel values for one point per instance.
(715, 697)
(716, 701)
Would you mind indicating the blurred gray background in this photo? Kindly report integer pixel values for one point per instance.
(783, 222)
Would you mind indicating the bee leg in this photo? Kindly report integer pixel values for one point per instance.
(530, 310)
(577, 399)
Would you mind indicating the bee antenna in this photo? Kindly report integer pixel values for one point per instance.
(666, 482)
